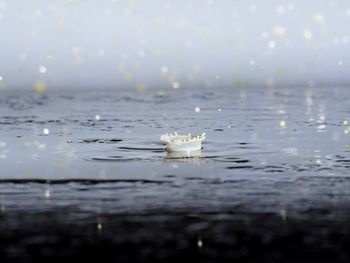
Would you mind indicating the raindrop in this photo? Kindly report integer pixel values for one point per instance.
(42, 69)
(271, 44)
(176, 85)
(165, 69)
(46, 131)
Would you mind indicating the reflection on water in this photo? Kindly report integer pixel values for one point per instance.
(184, 155)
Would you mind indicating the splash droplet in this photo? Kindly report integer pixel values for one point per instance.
(46, 131)
(280, 10)
(271, 44)
(47, 193)
(42, 69)
(199, 243)
(282, 123)
(176, 85)
(39, 87)
(307, 34)
(165, 69)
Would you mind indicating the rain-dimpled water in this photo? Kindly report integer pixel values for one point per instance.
(95, 158)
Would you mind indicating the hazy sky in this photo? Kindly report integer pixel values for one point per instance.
(181, 44)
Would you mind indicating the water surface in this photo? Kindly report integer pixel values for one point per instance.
(278, 153)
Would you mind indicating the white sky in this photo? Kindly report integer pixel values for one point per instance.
(114, 44)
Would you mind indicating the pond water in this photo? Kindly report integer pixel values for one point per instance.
(273, 157)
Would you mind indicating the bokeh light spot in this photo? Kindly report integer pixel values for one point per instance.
(42, 69)
(176, 85)
(46, 131)
(39, 87)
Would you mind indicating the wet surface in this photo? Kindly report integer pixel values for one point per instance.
(273, 170)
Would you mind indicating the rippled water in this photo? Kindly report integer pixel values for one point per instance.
(281, 151)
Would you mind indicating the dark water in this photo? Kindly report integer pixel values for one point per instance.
(271, 183)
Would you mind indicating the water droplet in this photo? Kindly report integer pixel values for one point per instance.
(271, 44)
(165, 69)
(283, 214)
(46, 131)
(282, 124)
(318, 18)
(307, 34)
(39, 87)
(280, 10)
(199, 243)
(176, 85)
(279, 30)
(42, 69)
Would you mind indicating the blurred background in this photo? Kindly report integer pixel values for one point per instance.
(72, 44)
